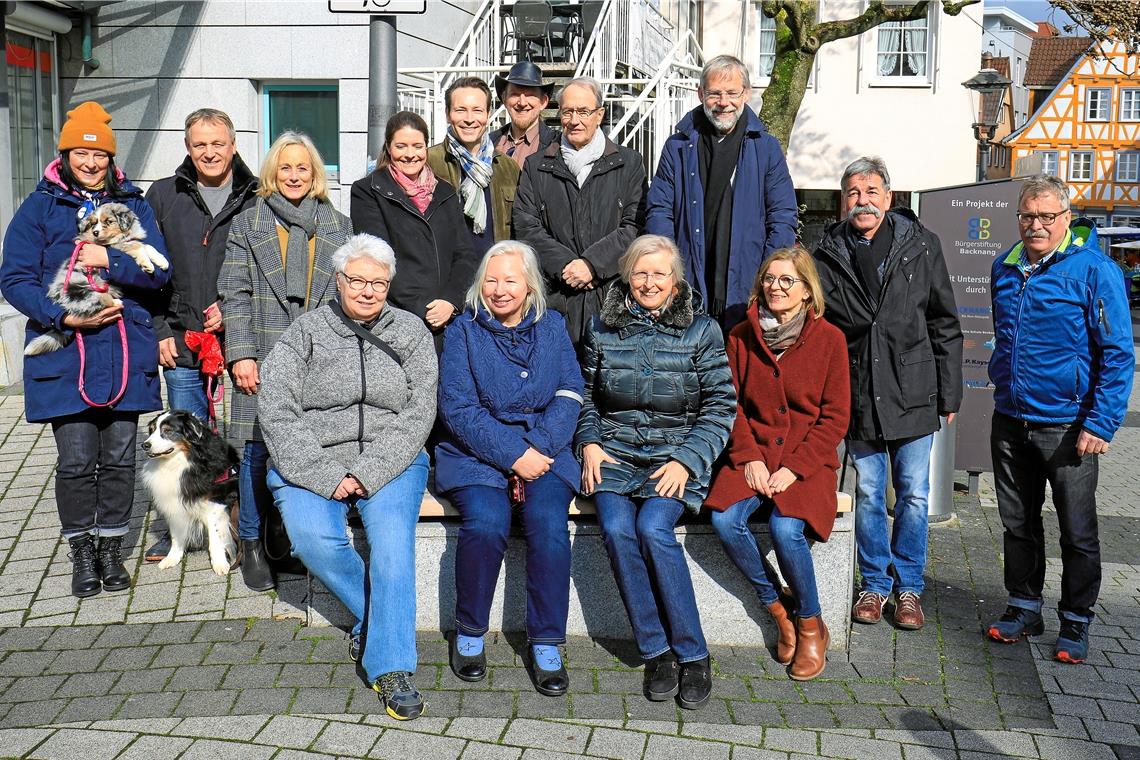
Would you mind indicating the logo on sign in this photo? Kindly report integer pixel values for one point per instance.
(979, 228)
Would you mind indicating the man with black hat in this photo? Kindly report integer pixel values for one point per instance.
(525, 95)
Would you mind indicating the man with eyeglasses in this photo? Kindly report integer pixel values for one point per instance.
(1062, 370)
(194, 208)
(888, 290)
(722, 191)
(580, 203)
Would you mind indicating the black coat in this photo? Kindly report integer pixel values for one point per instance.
(906, 350)
(196, 247)
(434, 257)
(595, 223)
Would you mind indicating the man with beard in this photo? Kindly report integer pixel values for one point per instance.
(525, 96)
(722, 191)
(889, 292)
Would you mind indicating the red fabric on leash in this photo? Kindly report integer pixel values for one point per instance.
(89, 271)
(211, 364)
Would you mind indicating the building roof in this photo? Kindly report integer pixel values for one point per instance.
(1013, 19)
(1050, 59)
(1045, 29)
(991, 103)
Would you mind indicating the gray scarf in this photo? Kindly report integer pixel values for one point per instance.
(301, 221)
(780, 337)
(580, 162)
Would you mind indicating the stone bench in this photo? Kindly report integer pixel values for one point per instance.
(730, 612)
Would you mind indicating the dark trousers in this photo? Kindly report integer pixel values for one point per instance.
(1025, 457)
(95, 478)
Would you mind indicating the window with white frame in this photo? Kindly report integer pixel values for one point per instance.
(903, 49)
(1125, 220)
(1048, 161)
(1098, 103)
(1080, 166)
(1128, 166)
(1130, 104)
(767, 32)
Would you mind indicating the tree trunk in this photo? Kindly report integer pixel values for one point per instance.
(785, 92)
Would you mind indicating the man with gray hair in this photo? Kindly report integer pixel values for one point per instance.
(1062, 370)
(889, 292)
(722, 191)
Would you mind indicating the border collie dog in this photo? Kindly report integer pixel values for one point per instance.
(189, 473)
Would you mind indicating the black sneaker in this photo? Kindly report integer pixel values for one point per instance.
(355, 646)
(661, 677)
(399, 695)
(159, 549)
(1072, 642)
(696, 684)
(1014, 623)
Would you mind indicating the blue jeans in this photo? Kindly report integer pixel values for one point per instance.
(483, 541)
(383, 597)
(253, 494)
(652, 574)
(95, 477)
(186, 390)
(905, 548)
(792, 552)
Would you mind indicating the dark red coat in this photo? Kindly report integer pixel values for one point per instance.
(791, 412)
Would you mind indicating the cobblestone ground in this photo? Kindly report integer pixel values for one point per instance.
(190, 665)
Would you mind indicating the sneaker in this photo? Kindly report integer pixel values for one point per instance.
(868, 608)
(1072, 642)
(159, 549)
(355, 646)
(908, 611)
(1014, 623)
(399, 695)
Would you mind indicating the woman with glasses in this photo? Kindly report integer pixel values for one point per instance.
(793, 399)
(658, 409)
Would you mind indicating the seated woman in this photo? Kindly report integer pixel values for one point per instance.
(658, 409)
(510, 390)
(347, 400)
(793, 385)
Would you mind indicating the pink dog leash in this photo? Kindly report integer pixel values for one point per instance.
(89, 271)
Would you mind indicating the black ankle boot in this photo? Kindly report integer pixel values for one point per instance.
(111, 569)
(696, 683)
(84, 567)
(255, 570)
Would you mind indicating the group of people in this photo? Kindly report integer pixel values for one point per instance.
(519, 306)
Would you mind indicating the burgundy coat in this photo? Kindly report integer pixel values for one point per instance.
(791, 412)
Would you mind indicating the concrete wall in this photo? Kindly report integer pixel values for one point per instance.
(923, 132)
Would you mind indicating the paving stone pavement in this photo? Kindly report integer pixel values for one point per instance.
(189, 665)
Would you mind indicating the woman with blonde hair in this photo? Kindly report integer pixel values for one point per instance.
(790, 370)
(278, 266)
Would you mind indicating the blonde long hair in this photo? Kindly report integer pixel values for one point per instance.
(804, 265)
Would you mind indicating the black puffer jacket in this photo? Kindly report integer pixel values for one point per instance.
(905, 347)
(655, 391)
(596, 223)
(196, 246)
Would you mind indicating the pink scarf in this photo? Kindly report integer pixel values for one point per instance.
(420, 189)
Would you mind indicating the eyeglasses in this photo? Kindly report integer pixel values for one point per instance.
(357, 284)
(640, 278)
(567, 114)
(713, 97)
(1046, 219)
(783, 282)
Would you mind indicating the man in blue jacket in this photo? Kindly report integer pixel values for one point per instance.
(1062, 371)
(722, 191)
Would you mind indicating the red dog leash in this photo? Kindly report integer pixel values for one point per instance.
(89, 271)
(212, 365)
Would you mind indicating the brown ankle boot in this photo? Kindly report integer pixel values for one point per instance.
(786, 645)
(811, 648)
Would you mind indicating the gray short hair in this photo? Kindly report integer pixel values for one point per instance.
(866, 165)
(210, 116)
(536, 292)
(724, 65)
(1044, 184)
(645, 245)
(365, 246)
(591, 84)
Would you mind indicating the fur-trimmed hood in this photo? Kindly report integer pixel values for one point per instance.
(679, 314)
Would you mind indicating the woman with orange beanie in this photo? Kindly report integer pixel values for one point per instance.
(94, 417)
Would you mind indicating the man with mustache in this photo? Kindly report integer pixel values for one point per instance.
(722, 191)
(525, 96)
(889, 292)
(1062, 370)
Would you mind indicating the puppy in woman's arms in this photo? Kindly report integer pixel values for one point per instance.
(84, 294)
(190, 475)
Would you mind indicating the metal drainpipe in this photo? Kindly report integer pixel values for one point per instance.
(90, 60)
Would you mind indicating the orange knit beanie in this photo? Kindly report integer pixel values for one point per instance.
(87, 126)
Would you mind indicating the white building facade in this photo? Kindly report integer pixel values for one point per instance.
(1006, 34)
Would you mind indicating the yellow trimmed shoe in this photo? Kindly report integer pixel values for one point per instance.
(399, 695)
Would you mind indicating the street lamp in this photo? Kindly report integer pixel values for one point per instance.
(986, 82)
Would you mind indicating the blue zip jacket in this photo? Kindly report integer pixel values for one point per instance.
(1063, 348)
(39, 240)
(503, 390)
(764, 209)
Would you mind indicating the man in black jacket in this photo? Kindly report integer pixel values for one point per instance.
(888, 290)
(194, 208)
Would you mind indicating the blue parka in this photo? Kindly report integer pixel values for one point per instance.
(39, 240)
(764, 209)
(1063, 349)
(503, 390)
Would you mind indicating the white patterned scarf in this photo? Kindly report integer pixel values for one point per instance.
(477, 171)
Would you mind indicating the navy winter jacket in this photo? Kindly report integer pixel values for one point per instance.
(764, 209)
(39, 240)
(503, 390)
(1063, 335)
